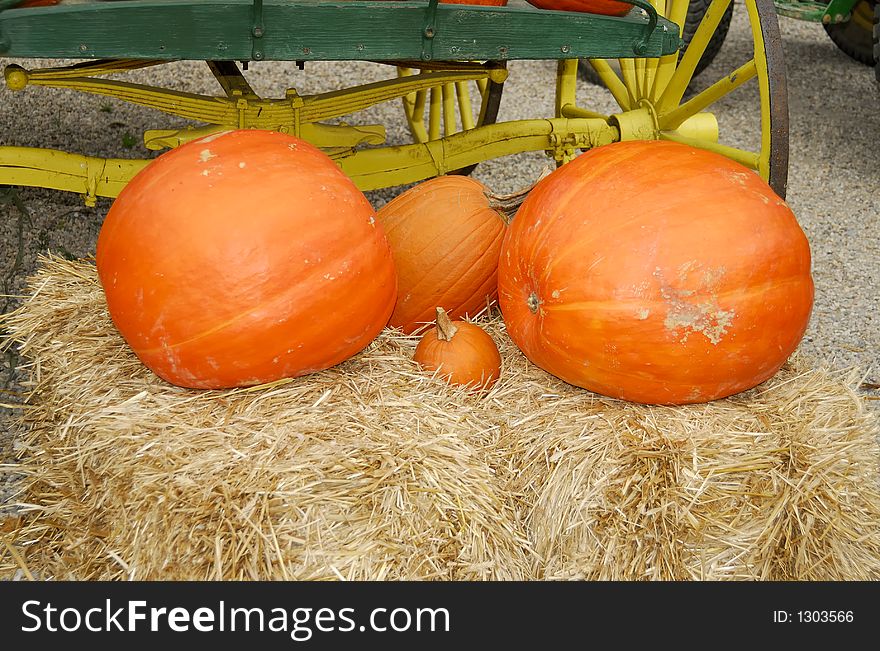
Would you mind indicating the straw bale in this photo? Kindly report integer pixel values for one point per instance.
(375, 470)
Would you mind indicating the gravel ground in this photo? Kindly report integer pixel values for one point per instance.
(835, 131)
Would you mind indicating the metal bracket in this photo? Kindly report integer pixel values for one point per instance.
(429, 31)
(257, 31)
(838, 11)
(296, 102)
(640, 46)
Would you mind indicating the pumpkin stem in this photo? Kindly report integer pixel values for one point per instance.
(445, 328)
(507, 204)
(533, 302)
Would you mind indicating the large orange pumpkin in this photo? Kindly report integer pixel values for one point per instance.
(242, 258)
(607, 7)
(657, 273)
(446, 238)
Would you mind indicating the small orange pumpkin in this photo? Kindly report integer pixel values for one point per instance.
(657, 273)
(242, 258)
(606, 7)
(446, 238)
(489, 3)
(462, 352)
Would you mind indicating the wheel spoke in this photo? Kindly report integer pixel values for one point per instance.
(434, 115)
(408, 100)
(417, 122)
(748, 158)
(566, 84)
(612, 82)
(709, 96)
(676, 11)
(578, 112)
(448, 94)
(447, 90)
(683, 74)
(628, 71)
(665, 68)
(641, 68)
(464, 105)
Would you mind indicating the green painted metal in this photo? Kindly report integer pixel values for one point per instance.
(835, 11)
(303, 30)
(839, 11)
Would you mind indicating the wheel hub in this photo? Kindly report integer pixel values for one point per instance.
(642, 124)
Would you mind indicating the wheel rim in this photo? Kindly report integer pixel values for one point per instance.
(450, 108)
(659, 86)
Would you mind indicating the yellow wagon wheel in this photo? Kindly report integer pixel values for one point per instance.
(650, 92)
(450, 108)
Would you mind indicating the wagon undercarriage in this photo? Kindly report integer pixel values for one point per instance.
(447, 67)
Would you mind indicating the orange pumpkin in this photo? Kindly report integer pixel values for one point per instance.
(37, 3)
(462, 352)
(446, 239)
(242, 258)
(490, 3)
(657, 273)
(607, 7)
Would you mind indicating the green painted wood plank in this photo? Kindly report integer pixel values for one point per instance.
(317, 30)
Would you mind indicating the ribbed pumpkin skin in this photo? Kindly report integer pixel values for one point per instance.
(607, 7)
(243, 258)
(656, 273)
(446, 241)
(470, 358)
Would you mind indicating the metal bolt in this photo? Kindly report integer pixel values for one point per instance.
(502, 51)
(258, 32)
(307, 50)
(565, 48)
(83, 47)
(258, 56)
(429, 32)
(360, 46)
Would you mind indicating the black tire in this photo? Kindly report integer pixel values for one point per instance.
(696, 11)
(855, 37)
(877, 41)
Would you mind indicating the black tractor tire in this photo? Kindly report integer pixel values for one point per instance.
(855, 36)
(877, 41)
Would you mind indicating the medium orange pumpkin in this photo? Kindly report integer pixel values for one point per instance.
(446, 239)
(242, 258)
(462, 352)
(657, 273)
(607, 7)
